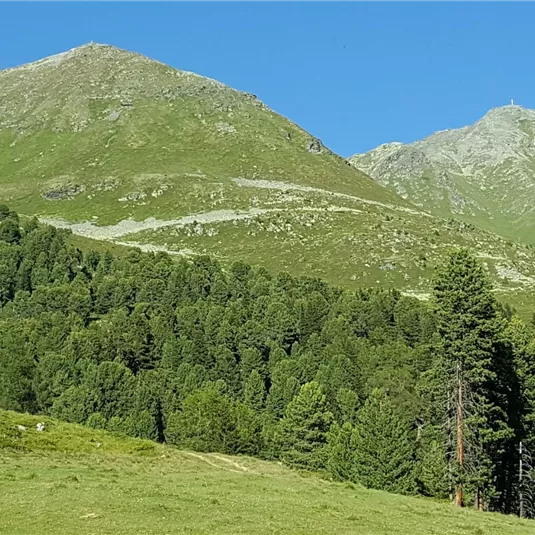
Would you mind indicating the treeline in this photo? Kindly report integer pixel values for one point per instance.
(371, 386)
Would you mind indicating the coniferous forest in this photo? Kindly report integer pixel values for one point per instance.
(372, 387)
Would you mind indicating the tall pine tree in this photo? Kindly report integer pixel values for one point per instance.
(472, 364)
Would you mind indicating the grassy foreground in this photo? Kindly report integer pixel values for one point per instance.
(72, 480)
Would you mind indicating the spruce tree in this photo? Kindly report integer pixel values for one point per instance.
(382, 447)
(471, 365)
(304, 428)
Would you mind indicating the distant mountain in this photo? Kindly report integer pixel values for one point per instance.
(121, 148)
(483, 173)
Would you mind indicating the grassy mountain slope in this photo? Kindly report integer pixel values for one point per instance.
(484, 173)
(97, 124)
(69, 479)
(122, 148)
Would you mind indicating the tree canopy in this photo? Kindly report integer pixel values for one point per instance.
(237, 360)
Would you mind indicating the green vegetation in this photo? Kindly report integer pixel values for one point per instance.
(104, 136)
(65, 438)
(242, 348)
(475, 370)
(399, 254)
(173, 139)
(381, 447)
(70, 479)
(361, 385)
(483, 173)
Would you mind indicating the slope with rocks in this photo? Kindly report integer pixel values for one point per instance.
(484, 173)
(124, 149)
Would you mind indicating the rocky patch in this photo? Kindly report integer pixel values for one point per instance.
(64, 193)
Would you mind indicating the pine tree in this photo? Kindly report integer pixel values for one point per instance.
(383, 449)
(284, 387)
(142, 424)
(251, 359)
(341, 457)
(226, 368)
(9, 231)
(207, 422)
(304, 428)
(523, 339)
(433, 474)
(171, 355)
(254, 392)
(97, 421)
(471, 365)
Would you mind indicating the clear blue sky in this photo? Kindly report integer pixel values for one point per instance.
(354, 74)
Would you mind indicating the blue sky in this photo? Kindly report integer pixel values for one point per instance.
(354, 74)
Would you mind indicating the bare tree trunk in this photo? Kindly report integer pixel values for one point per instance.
(460, 438)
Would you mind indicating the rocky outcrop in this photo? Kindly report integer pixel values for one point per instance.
(314, 146)
(63, 193)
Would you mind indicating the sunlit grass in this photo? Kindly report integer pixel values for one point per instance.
(73, 480)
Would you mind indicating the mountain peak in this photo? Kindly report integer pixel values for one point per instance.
(94, 44)
(90, 51)
(509, 110)
(77, 80)
(483, 172)
(94, 47)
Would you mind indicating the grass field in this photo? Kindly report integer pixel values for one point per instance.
(72, 480)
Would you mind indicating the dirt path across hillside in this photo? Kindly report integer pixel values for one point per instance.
(285, 186)
(128, 227)
(229, 465)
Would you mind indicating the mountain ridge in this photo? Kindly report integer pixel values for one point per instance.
(78, 82)
(483, 173)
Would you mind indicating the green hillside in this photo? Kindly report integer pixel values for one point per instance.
(124, 149)
(99, 131)
(119, 486)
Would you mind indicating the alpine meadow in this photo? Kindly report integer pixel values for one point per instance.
(212, 323)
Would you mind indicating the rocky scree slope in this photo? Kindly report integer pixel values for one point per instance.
(484, 173)
(125, 149)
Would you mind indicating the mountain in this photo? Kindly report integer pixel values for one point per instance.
(484, 173)
(102, 127)
(124, 149)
